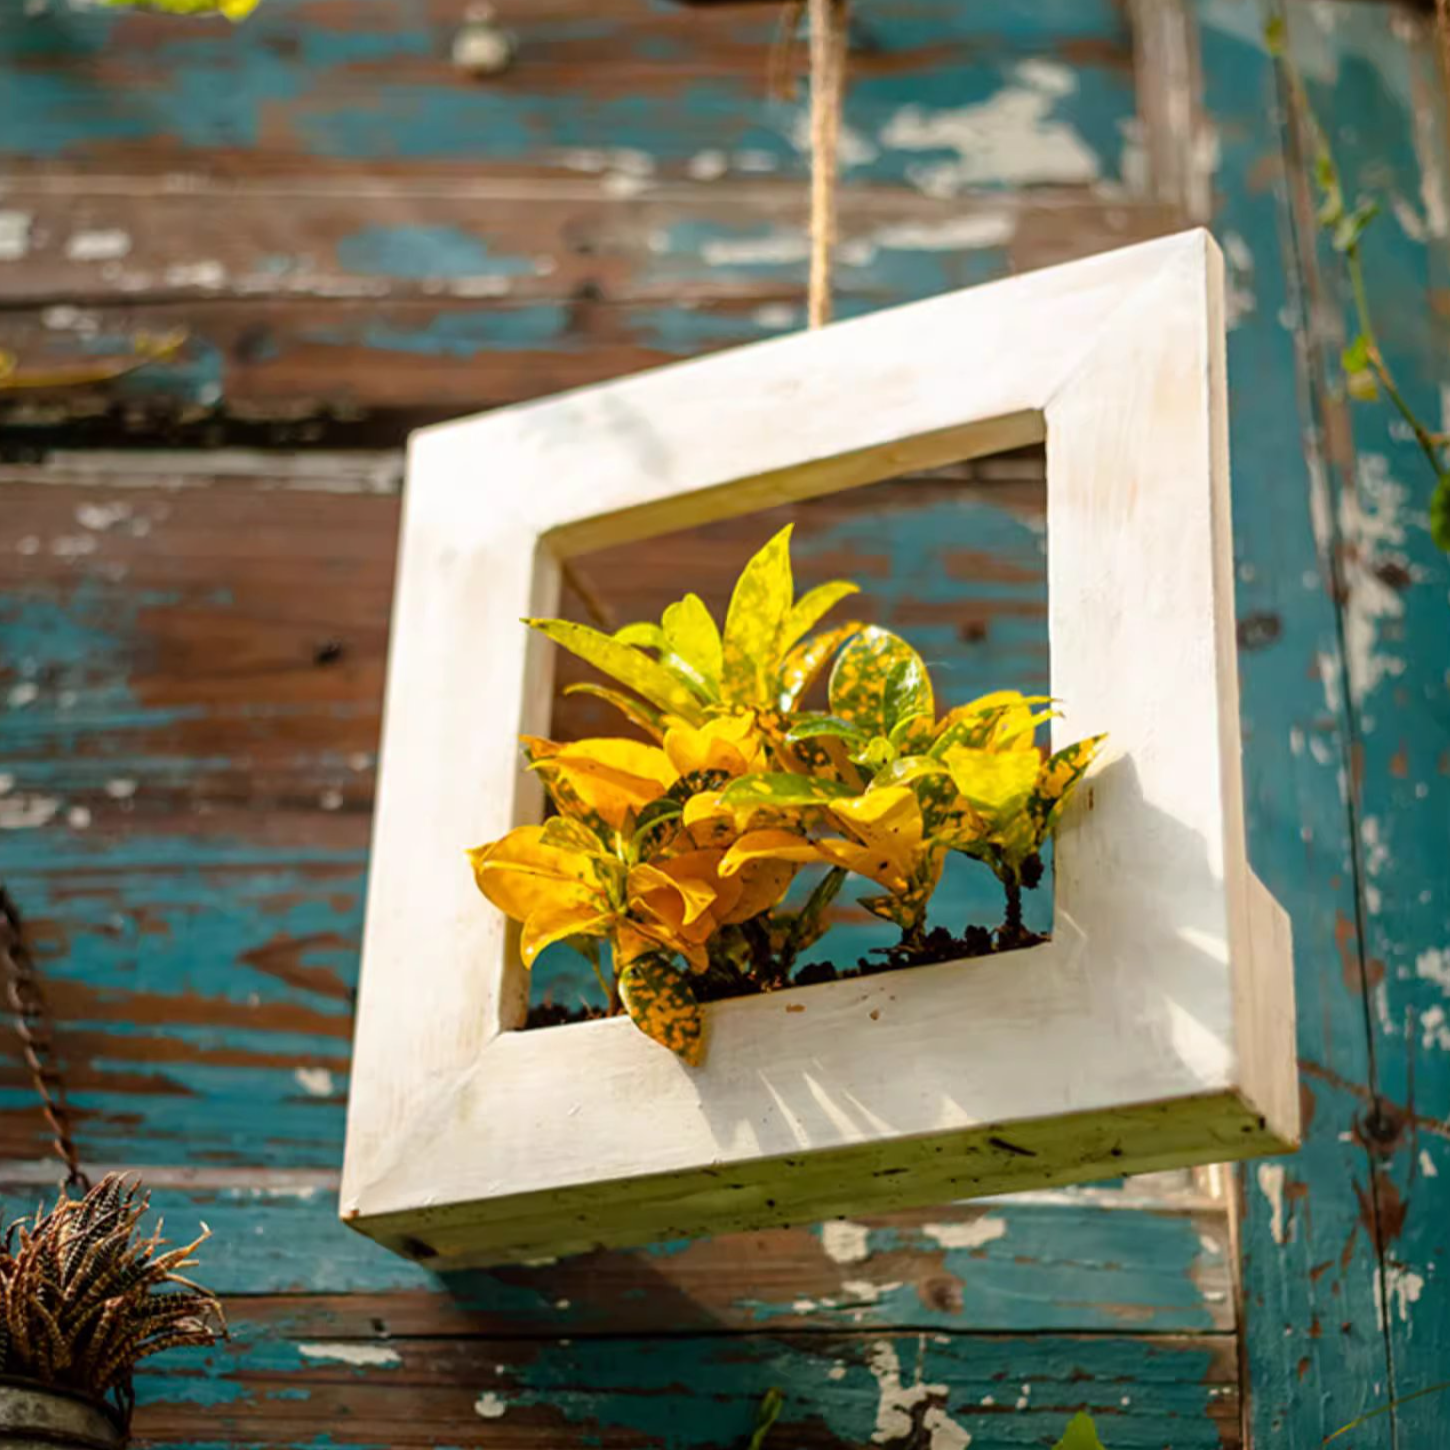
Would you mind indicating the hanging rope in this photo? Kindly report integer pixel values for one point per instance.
(829, 24)
(27, 1004)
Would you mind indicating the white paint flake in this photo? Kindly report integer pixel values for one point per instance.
(25, 812)
(707, 166)
(1371, 527)
(1399, 1288)
(120, 789)
(489, 1406)
(1427, 1164)
(774, 249)
(14, 234)
(893, 1411)
(103, 244)
(23, 694)
(196, 274)
(78, 818)
(330, 799)
(7, 782)
(316, 1081)
(837, 1371)
(955, 234)
(846, 1243)
(1433, 965)
(863, 1291)
(371, 1356)
(970, 1235)
(73, 546)
(1011, 138)
(98, 516)
(1434, 1029)
(1271, 1184)
(776, 316)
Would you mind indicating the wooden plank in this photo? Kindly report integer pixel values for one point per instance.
(1314, 1351)
(625, 88)
(1107, 1263)
(284, 1380)
(1372, 76)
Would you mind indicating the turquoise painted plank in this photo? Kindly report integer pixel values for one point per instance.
(937, 99)
(1068, 1266)
(1314, 1349)
(1375, 82)
(688, 1391)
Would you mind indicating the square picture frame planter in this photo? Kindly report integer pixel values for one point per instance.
(1153, 1029)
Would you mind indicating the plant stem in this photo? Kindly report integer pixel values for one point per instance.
(1011, 929)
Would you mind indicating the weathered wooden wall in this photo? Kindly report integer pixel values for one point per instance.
(195, 568)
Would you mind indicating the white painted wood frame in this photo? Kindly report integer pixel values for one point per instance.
(1154, 1029)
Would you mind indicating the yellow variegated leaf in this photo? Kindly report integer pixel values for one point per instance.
(662, 1004)
(803, 664)
(678, 892)
(769, 845)
(625, 663)
(1059, 777)
(613, 778)
(232, 9)
(691, 633)
(728, 743)
(763, 884)
(997, 783)
(753, 624)
(557, 920)
(783, 790)
(642, 636)
(811, 608)
(524, 876)
(889, 824)
(646, 717)
(1002, 720)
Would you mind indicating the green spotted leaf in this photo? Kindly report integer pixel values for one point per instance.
(783, 789)
(878, 680)
(662, 1004)
(753, 624)
(812, 727)
(625, 663)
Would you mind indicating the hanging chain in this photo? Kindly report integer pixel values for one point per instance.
(27, 1003)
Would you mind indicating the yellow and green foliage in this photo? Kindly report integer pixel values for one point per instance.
(232, 9)
(678, 851)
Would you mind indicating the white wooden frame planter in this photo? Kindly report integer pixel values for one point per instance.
(1154, 1029)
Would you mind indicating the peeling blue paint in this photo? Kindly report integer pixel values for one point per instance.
(419, 252)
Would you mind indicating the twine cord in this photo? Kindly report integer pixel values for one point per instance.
(828, 25)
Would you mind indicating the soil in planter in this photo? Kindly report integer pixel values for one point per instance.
(939, 945)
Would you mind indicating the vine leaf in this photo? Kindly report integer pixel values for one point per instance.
(1081, 1434)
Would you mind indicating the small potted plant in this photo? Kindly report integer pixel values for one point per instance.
(84, 1296)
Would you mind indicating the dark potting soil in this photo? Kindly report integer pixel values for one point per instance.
(939, 945)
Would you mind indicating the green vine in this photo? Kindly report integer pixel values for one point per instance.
(1367, 375)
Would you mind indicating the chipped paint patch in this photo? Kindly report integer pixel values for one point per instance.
(316, 1081)
(894, 1409)
(1397, 1290)
(1427, 1164)
(102, 244)
(489, 1406)
(772, 249)
(27, 812)
(1370, 524)
(1270, 1177)
(1434, 1029)
(1433, 965)
(973, 1234)
(1010, 139)
(863, 1291)
(14, 234)
(846, 1243)
(370, 1356)
(955, 234)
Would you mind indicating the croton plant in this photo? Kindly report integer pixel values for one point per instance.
(678, 850)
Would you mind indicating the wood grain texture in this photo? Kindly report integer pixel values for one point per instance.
(1371, 76)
